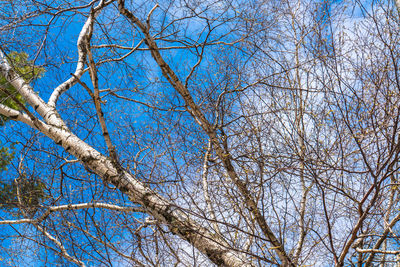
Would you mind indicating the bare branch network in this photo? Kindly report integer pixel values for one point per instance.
(200, 133)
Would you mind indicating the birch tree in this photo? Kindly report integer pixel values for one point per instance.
(186, 133)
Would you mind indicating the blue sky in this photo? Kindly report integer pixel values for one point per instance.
(58, 55)
(139, 78)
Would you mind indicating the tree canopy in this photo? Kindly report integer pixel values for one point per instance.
(199, 133)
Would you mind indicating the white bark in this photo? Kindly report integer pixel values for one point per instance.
(371, 250)
(210, 208)
(160, 208)
(83, 40)
(72, 207)
(16, 115)
(58, 243)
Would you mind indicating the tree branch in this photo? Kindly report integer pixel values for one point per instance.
(195, 111)
(84, 38)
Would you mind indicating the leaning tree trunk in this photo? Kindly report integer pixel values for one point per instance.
(179, 222)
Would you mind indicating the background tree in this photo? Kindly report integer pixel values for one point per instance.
(31, 189)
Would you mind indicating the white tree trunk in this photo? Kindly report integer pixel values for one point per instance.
(157, 206)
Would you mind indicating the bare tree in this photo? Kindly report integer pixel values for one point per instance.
(192, 133)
